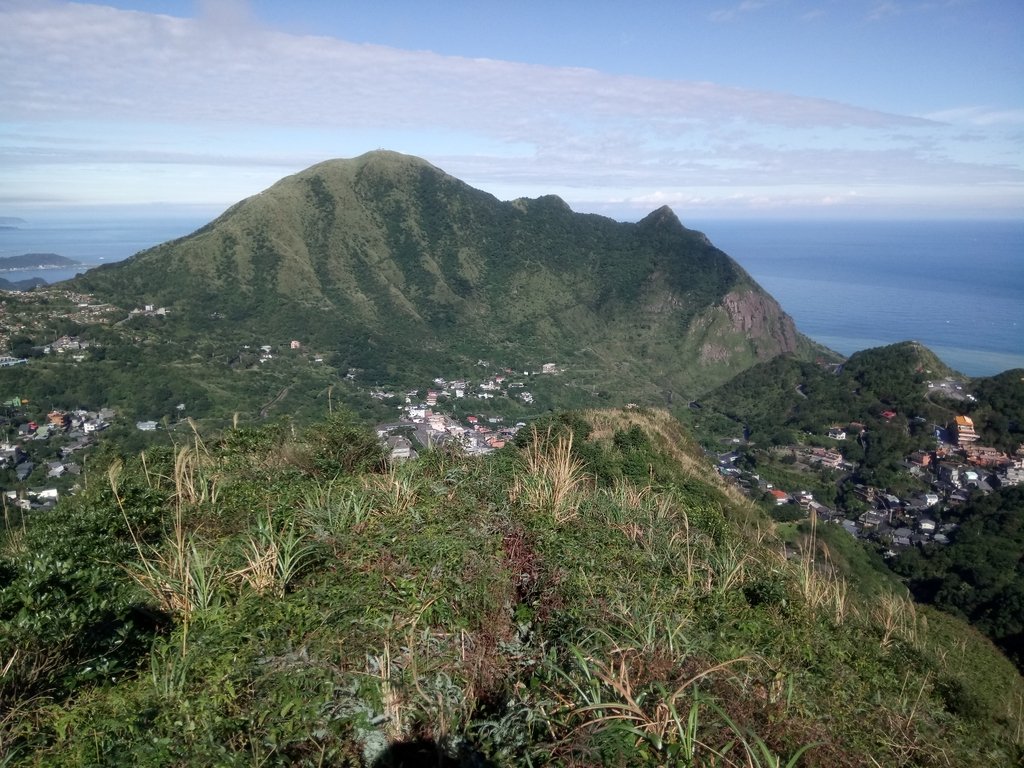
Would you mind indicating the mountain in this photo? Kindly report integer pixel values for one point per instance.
(403, 270)
(21, 285)
(884, 389)
(36, 261)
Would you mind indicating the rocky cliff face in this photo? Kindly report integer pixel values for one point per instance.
(759, 317)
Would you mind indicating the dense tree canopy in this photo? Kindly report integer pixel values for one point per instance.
(980, 574)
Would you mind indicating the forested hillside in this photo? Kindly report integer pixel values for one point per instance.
(980, 575)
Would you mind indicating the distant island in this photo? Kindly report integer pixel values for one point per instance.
(11, 222)
(36, 261)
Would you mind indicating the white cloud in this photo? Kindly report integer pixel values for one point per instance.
(884, 10)
(92, 85)
(980, 116)
(62, 61)
(735, 11)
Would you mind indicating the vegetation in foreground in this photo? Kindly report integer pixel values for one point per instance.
(590, 596)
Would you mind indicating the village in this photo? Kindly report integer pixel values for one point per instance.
(45, 456)
(424, 422)
(481, 413)
(954, 468)
(21, 308)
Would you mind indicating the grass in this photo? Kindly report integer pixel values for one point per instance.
(552, 478)
(543, 606)
(273, 556)
(612, 699)
(822, 587)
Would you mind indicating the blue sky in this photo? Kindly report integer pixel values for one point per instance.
(732, 109)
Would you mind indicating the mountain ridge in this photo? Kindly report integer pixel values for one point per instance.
(387, 251)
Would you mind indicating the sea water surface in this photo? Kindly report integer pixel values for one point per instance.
(91, 242)
(955, 286)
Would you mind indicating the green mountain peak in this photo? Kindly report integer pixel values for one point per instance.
(402, 269)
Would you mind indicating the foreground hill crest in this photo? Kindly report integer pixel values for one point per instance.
(594, 594)
(401, 267)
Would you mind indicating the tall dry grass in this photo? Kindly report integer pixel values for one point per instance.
(394, 492)
(820, 585)
(896, 617)
(609, 697)
(668, 437)
(554, 477)
(180, 575)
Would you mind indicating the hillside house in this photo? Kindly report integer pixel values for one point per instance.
(965, 434)
(865, 493)
(871, 519)
(11, 454)
(827, 458)
(400, 448)
(65, 344)
(901, 537)
(59, 419)
(959, 496)
(837, 433)
(921, 458)
(93, 425)
(950, 473)
(985, 456)
(1011, 476)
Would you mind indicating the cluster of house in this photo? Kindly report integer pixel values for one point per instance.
(149, 310)
(265, 352)
(957, 467)
(66, 344)
(45, 498)
(505, 383)
(477, 435)
(896, 522)
(498, 385)
(54, 303)
(959, 462)
(76, 429)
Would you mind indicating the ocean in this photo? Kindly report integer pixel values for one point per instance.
(955, 286)
(95, 242)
